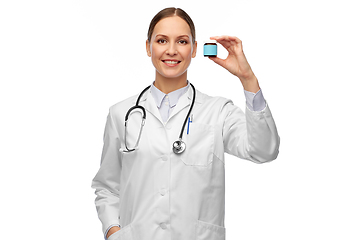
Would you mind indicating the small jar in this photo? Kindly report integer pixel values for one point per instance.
(210, 48)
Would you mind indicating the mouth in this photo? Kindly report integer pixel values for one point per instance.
(171, 62)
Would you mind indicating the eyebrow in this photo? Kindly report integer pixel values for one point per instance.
(162, 35)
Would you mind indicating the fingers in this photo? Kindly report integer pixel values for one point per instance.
(229, 42)
(232, 40)
(222, 40)
(226, 38)
(219, 61)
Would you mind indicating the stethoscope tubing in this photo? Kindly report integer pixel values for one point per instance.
(180, 145)
(189, 112)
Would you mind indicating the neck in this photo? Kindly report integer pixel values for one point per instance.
(167, 85)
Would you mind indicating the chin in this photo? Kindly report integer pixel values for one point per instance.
(171, 75)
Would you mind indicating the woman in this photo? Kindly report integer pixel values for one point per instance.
(168, 186)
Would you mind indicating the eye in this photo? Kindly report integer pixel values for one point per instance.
(161, 41)
(183, 42)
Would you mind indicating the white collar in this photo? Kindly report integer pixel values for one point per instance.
(173, 96)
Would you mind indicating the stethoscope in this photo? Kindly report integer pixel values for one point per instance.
(179, 145)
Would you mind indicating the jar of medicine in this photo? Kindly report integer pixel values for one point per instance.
(210, 48)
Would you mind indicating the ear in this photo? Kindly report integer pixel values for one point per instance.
(148, 51)
(194, 50)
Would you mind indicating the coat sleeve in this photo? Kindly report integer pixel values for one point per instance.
(252, 136)
(107, 180)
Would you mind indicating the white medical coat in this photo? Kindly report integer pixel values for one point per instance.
(155, 194)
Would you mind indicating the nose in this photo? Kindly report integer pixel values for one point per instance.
(172, 49)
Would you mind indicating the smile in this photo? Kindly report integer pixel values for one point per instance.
(171, 63)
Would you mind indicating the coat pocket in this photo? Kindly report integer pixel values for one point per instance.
(208, 231)
(125, 233)
(199, 145)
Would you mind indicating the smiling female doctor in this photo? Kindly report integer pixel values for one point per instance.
(154, 184)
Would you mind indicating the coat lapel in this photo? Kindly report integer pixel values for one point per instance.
(149, 104)
(184, 101)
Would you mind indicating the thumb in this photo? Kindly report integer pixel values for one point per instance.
(219, 61)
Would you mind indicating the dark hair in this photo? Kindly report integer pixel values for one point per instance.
(170, 12)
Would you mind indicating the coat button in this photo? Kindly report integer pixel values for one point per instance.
(163, 192)
(164, 158)
(163, 225)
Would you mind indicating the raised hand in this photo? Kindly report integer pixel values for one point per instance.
(236, 62)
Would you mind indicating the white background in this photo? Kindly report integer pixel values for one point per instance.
(64, 63)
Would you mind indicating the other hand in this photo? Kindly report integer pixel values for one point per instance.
(112, 231)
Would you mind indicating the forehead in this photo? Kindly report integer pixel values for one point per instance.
(172, 26)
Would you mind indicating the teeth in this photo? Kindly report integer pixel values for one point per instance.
(171, 62)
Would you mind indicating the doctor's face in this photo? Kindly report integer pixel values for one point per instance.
(171, 47)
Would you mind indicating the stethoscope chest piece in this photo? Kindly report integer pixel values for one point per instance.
(179, 146)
